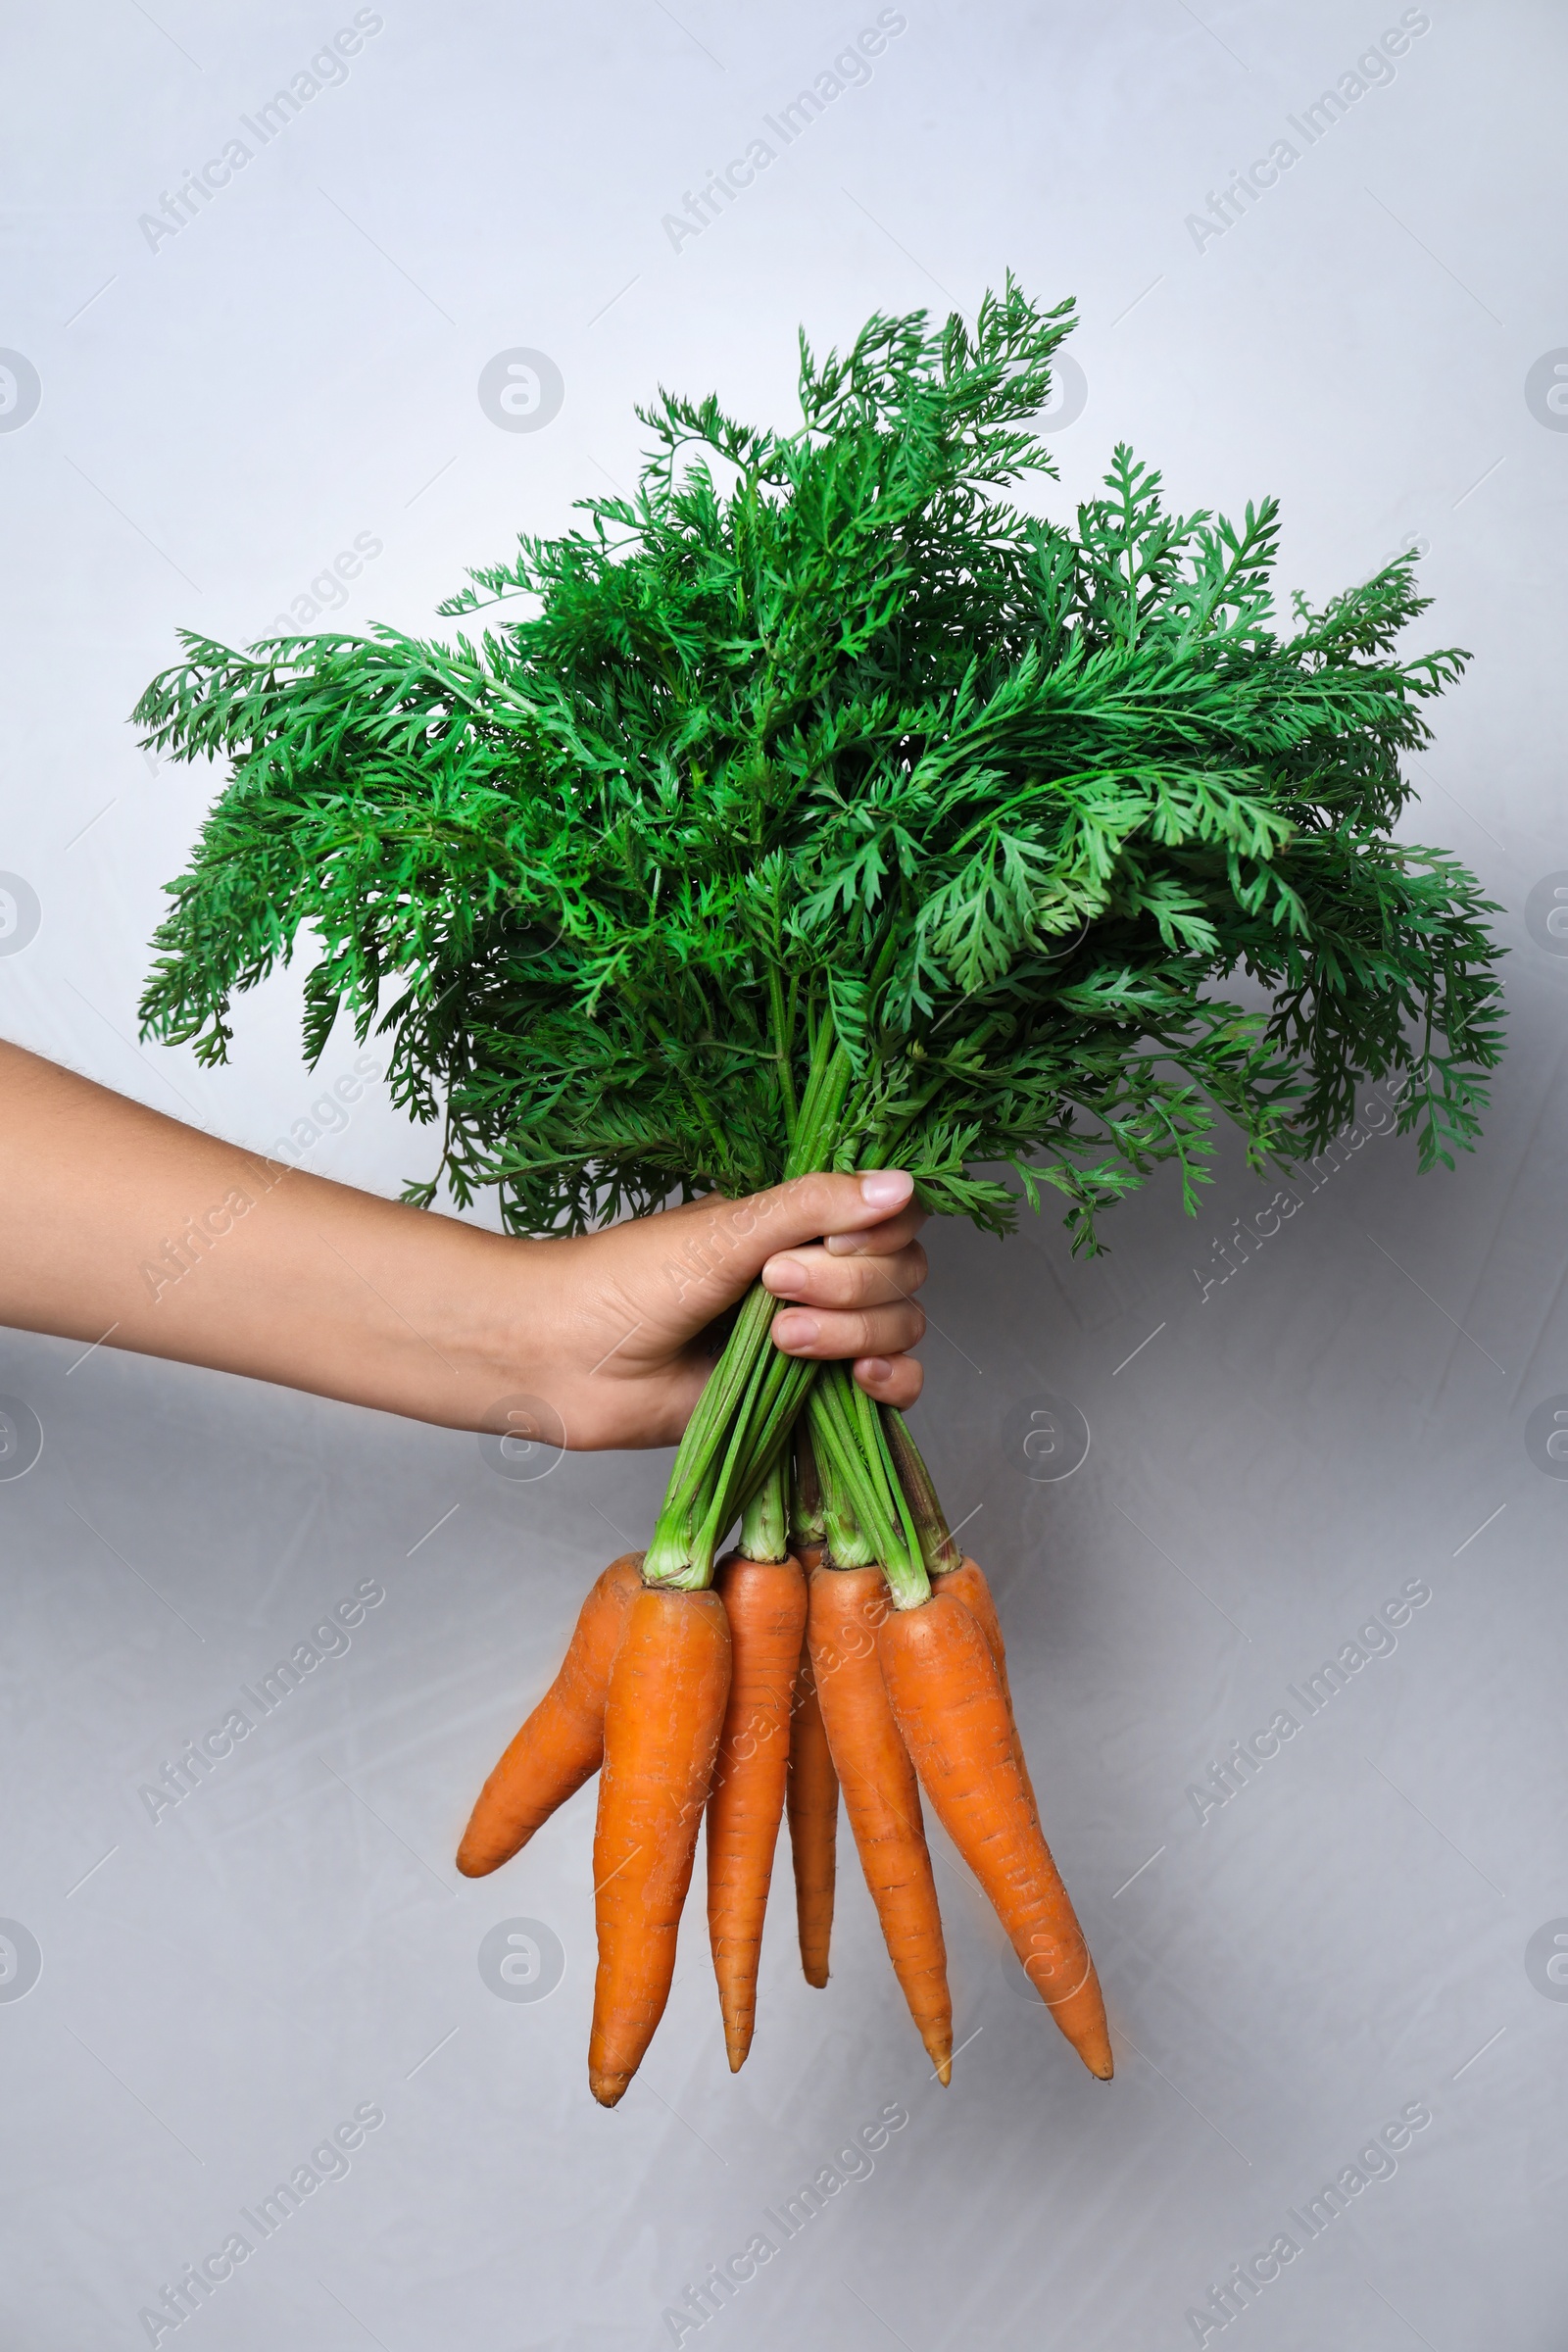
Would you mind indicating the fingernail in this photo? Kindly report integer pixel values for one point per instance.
(795, 1330)
(784, 1274)
(872, 1368)
(886, 1187)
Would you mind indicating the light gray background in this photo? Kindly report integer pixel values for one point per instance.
(220, 417)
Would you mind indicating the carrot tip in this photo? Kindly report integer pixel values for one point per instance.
(939, 2049)
(608, 2090)
(815, 1972)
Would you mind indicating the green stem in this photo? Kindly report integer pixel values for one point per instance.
(849, 1451)
(874, 1438)
(807, 1525)
(846, 1544)
(937, 1547)
(783, 1041)
(764, 1528)
(842, 1467)
(750, 1396)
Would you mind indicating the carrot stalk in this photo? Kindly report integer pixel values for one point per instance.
(813, 1797)
(563, 1742)
(946, 1697)
(765, 1603)
(662, 1720)
(846, 1605)
(807, 1524)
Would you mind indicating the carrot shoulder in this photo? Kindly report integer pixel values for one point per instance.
(666, 1710)
(765, 1603)
(946, 1696)
(563, 1742)
(880, 1793)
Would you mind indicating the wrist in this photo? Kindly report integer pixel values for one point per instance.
(492, 1312)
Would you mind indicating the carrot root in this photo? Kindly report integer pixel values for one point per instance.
(764, 1604)
(563, 1742)
(666, 1710)
(968, 1585)
(813, 1799)
(880, 1792)
(947, 1697)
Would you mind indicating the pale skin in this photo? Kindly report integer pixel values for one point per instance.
(291, 1278)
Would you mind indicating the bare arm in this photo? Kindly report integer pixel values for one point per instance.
(125, 1226)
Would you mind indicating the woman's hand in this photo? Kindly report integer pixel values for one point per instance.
(633, 1309)
(128, 1229)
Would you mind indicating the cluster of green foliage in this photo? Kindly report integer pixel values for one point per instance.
(819, 736)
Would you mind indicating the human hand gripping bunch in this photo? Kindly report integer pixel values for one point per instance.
(803, 1669)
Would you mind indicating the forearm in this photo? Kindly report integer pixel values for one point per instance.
(123, 1226)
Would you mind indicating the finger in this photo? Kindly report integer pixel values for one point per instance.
(829, 1336)
(703, 1257)
(814, 1279)
(879, 1241)
(895, 1380)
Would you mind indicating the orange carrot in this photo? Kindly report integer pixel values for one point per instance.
(968, 1585)
(662, 1720)
(563, 1742)
(947, 1698)
(880, 1792)
(813, 1797)
(765, 1601)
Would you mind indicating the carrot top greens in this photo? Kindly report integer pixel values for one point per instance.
(820, 728)
(819, 807)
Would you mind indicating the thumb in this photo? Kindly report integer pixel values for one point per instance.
(726, 1244)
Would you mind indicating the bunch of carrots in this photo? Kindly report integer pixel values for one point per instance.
(806, 1668)
(819, 806)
